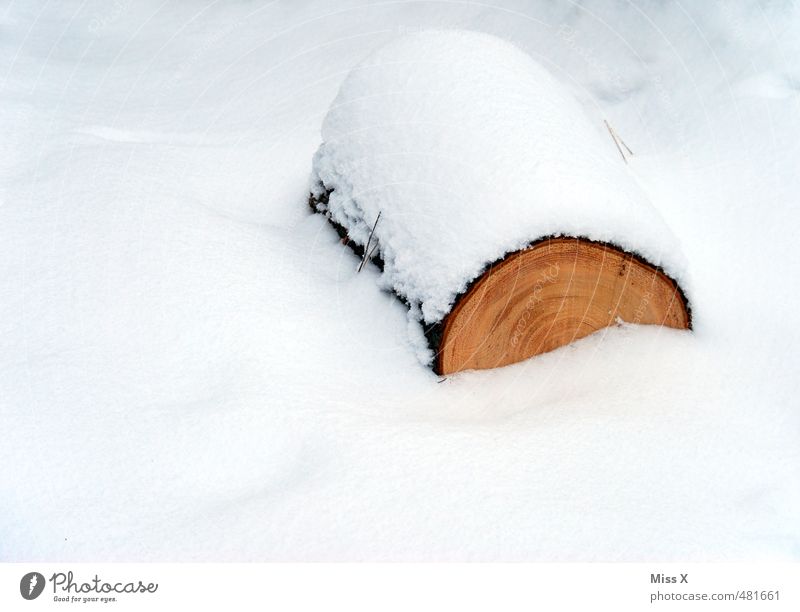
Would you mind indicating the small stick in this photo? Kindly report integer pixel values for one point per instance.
(627, 148)
(367, 252)
(614, 138)
(369, 257)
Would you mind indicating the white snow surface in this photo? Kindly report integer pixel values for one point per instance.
(470, 150)
(190, 369)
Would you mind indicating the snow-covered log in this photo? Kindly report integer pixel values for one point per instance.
(508, 222)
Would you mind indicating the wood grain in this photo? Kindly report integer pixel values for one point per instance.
(549, 295)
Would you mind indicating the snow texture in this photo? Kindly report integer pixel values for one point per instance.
(470, 150)
(190, 369)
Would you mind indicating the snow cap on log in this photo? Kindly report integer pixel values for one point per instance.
(471, 150)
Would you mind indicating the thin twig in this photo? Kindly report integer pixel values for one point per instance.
(627, 148)
(614, 138)
(619, 138)
(367, 252)
(369, 257)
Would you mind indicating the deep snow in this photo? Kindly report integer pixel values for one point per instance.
(190, 368)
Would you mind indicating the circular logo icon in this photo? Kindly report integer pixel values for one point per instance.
(31, 585)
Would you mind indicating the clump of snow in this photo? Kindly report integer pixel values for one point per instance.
(469, 149)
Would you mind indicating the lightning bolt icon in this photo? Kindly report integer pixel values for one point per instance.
(33, 584)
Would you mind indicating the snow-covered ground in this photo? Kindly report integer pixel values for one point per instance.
(191, 369)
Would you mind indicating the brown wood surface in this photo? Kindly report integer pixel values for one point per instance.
(549, 295)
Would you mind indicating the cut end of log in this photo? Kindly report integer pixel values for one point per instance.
(549, 295)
